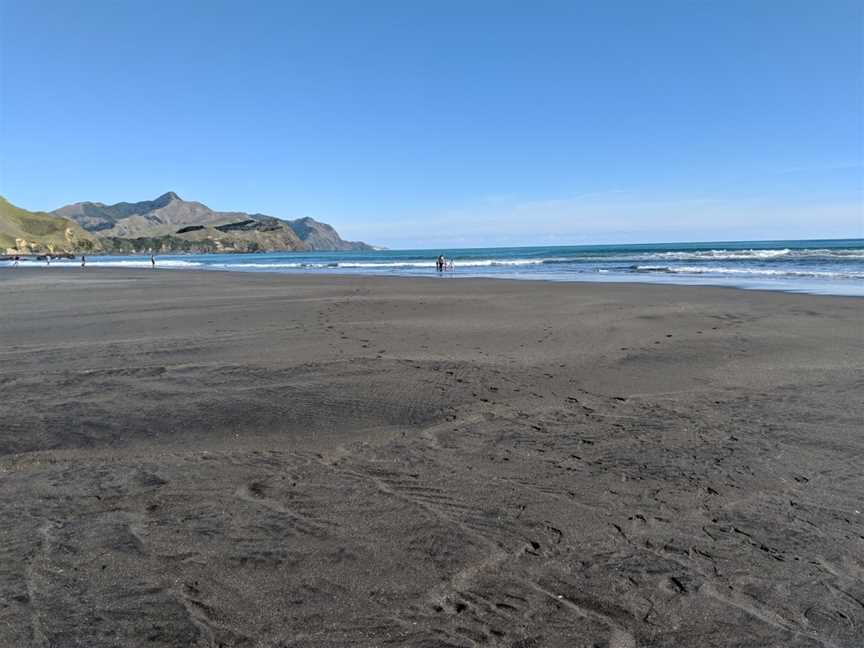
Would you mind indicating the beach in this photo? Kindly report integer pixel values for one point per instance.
(822, 267)
(193, 458)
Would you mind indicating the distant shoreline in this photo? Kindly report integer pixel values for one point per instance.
(816, 267)
(434, 277)
(435, 250)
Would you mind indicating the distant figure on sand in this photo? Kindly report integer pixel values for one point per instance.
(48, 259)
(83, 260)
(153, 261)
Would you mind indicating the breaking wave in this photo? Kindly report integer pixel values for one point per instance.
(744, 271)
(394, 265)
(756, 254)
(832, 267)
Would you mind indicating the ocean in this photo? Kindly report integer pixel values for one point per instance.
(834, 267)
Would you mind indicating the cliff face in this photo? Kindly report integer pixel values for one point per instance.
(171, 224)
(321, 236)
(26, 232)
(233, 237)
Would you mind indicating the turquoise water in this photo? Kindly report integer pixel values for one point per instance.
(821, 266)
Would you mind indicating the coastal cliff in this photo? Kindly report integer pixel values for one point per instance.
(26, 232)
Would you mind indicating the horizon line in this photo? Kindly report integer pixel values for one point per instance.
(504, 247)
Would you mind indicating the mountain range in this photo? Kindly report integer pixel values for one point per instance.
(166, 224)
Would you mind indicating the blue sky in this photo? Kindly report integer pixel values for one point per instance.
(430, 123)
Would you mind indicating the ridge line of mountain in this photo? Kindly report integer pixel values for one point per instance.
(163, 225)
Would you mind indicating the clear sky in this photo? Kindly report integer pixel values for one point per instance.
(430, 123)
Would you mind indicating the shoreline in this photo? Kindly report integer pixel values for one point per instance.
(463, 277)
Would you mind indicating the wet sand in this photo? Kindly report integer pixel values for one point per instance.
(214, 459)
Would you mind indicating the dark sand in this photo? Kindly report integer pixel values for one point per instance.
(210, 459)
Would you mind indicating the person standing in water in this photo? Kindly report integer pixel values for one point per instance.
(153, 261)
(440, 263)
(83, 261)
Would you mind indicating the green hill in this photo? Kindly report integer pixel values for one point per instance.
(25, 232)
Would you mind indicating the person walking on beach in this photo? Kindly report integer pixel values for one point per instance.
(83, 261)
(153, 261)
(440, 263)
